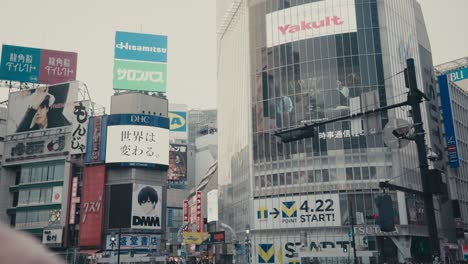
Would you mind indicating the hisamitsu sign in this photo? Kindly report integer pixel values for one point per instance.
(140, 47)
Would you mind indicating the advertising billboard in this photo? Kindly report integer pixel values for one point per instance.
(24, 64)
(140, 62)
(136, 139)
(450, 133)
(92, 203)
(177, 163)
(120, 205)
(146, 207)
(46, 147)
(42, 108)
(297, 211)
(79, 127)
(178, 121)
(317, 19)
(212, 198)
(96, 139)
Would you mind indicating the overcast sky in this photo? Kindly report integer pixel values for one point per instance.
(88, 28)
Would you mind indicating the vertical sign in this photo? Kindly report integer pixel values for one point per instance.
(199, 212)
(96, 141)
(74, 200)
(450, 134)
(212, 205)
(186, 214)
(80, 127)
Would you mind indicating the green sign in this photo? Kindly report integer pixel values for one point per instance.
(139, 76)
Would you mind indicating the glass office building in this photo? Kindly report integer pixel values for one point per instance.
(286, 63)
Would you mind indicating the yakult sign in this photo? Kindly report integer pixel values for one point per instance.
(323, 18)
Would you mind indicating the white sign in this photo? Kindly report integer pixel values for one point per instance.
(212, 197)
(57, 194)
(146, 207)
(312, 20)
(297, 211)
(52, 236)
(133, 241)
(80, 127)
(137, 144)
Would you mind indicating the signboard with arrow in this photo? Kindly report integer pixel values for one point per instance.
(297, 211)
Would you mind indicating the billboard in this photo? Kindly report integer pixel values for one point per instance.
(212, 198)
(140, 62)
(96, 139)
(42, 108)
(178, 121)
(133, 241)
(136, 139)
(177, 163)
(24, 64)
(450, 133)
(92, 203)
(46, 147)
(297, 211)
(146, 207)
(196, 238)
(317, 19)
(120, 205)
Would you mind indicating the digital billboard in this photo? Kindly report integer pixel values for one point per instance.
(147, 207)
(137, 140)
(42, 108)
(92, 203)
(24, 64)
(177, 163)
(140, 62)
(297, 211)
(317, 19)
(120, 205)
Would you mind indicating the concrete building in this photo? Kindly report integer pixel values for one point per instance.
(283, 63)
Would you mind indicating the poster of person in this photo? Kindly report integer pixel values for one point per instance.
(177, 163)
(146, 207)
(41, 108)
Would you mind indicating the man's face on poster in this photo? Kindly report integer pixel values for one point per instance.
(40, 118)
(148, 206)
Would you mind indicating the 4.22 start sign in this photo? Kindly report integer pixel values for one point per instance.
(298, 211)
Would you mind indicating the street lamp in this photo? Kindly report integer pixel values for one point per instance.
(247, 241)
(112, 244)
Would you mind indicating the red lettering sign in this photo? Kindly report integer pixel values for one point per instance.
(200, 223)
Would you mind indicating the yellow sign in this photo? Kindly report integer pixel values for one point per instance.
(266, 253)
(178, 121)
(196, 238)
(289, 209)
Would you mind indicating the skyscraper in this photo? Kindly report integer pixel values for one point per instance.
(286, 63)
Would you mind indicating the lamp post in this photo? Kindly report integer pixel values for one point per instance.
(247, 242)
(112, 244)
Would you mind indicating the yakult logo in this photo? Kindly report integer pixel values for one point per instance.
(304, 25)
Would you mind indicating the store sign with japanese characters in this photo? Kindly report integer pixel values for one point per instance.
(80, 127)
(339, 134)
(297, 211)
(24, 64)
(136, 241)
(137, 139)
(52, 236)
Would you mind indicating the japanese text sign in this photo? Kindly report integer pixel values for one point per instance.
(80, 127)
(34, 65)
(186, 213)
(200, 222)
(139, 76)
(133, 241)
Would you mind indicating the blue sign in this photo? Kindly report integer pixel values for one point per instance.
(178, 121)
(96, 139)
(140, 47)
(138, 120)
(20, 64)
(458, 75)
(450, 135)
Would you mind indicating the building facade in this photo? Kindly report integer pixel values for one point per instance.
(286, 63)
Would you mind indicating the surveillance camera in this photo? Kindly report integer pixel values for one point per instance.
(432, 156)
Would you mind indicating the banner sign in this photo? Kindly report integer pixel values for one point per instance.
(450, 133)
(298, 211)
(79, 127)
(140, 62)
(217, 237)
(133, 241)
(458, 75)
(92, 203)
(96, 139)
(178, 121)
(317, 19)
(200, 223)
(177, 163)
(42, 108)
(74, 200)
(20, 151)
(32, 65)
(186, 213)
(196, 238)
(52, 236)
(138, 120)
(146, 207)
(212, 198)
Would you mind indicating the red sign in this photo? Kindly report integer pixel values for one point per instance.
(74, 200)
(96, 144)
(186, 214)
(92, 203)
(199, 212)
(57, 66)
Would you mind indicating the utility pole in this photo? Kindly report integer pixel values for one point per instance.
(351, 219)
(414, 100)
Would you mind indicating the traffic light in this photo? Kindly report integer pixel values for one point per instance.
(385, 219)
(345, 248)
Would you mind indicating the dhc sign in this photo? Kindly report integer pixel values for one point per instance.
(139, 120)
(178, 121)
